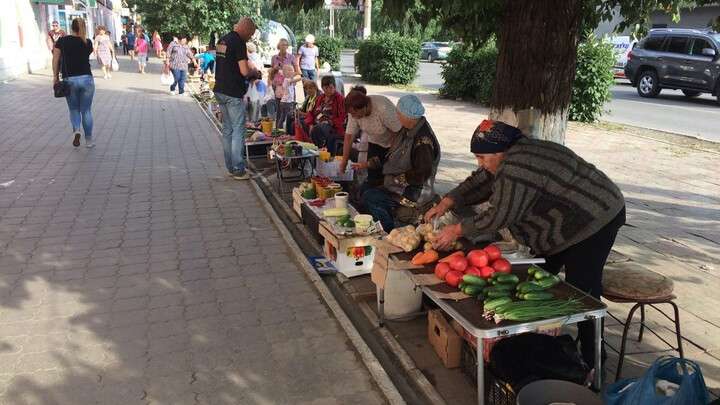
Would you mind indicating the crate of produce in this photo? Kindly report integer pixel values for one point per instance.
(352, 255)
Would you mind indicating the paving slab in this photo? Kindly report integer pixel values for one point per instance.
(137, 272)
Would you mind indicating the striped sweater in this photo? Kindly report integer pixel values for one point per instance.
(547, 196)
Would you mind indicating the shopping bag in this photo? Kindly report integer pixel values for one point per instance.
(115, 65)
(642, 391)
(252, 94)
(166, 79)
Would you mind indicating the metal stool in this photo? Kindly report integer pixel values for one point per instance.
(642, 287)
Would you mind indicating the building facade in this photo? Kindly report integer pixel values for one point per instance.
(24, 26)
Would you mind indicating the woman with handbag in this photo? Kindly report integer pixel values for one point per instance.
(71, 57)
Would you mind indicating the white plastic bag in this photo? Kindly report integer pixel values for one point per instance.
(252, 94)
(115, 65)
(166, 79)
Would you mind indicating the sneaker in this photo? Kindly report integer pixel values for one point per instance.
(241, 176)
(172, 92)
(89, 143)
(76, 139)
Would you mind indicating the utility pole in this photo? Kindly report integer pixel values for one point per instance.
(367, 18)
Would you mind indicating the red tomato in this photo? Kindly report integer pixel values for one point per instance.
(493, 252)
(453, 278)
(458, 263)
(478, 258)
(487, 272)
(441, 270)
(502, 266)
(474, 271)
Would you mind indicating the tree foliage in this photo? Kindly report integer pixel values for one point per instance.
(193, 17)
(593, 79)
(388, 58)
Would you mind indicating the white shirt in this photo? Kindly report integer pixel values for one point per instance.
(380, 124)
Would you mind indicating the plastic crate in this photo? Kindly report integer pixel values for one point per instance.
(497, 392)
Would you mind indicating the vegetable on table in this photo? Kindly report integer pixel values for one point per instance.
(493, 252)
(458, 263)
(537, 296)
(478, 258)
(502, 265)
(474, 280)
(404, 238)
(425, 257)
(442, 269)
(453, 278)
(450, 256)
(525, 311)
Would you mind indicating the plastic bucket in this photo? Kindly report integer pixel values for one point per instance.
(267, 127)
(401, 296)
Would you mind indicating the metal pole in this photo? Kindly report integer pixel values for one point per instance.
(480, 372)
(597, 381)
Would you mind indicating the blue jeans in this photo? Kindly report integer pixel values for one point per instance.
(179, 75)
(381, 206)
(233, 130)
(309, 74)
(79, 101)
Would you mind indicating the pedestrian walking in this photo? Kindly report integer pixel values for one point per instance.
(157, 43)
(179, 56)
(283, 57)
(105, 51)
(141, 48)
(131, 43)
(71, 58)
(308, 58)
(54, 34)
(123, 39)
(232, 73)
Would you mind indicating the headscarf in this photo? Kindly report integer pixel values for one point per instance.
(494, 137)
(411, 106)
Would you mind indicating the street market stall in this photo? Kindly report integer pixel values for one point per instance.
(478, 308)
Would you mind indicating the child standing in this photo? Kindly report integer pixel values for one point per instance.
(287, 101)
(141, 50)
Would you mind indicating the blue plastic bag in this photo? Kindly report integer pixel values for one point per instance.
(683, 372)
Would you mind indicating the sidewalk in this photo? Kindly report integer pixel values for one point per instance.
(672, 192)
(138, 273)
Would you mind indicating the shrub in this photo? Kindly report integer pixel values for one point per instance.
(593, 79)
(388, 58)
(330, 49)
(353, 43)
(469, 73)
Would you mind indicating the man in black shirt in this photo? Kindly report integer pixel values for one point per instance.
(231, 84)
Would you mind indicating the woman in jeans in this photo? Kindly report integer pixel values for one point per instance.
(71, 57)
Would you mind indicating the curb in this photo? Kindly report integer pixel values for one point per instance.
(371, 362)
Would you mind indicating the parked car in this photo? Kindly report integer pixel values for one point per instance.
(622, 44)
(432, 51)
(678, 59)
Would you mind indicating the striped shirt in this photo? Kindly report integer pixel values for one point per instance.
(547, 196)
(179, 55)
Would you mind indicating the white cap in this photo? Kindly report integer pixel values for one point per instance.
(310, 38)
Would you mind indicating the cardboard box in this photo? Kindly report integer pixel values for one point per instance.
(443, 338)
(298, 201)
(352, 255)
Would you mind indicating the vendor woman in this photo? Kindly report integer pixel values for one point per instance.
(374, 115)
(409, 169)
(550, 199)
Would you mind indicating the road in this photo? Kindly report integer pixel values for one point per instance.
(671, 111)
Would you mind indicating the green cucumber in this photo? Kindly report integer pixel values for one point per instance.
(503, 287)
(507, 278)
(472, 290)
(493, 303)
(538, 296)
(541, 274)
(497, 293)
(548, 282)
(474, 280)
(531, 288)
(461, 286)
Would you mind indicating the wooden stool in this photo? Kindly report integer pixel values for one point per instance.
(642, 287)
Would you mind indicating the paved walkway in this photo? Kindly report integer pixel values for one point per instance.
(137, 273)
(672, 192)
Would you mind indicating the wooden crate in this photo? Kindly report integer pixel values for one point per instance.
(298, 201)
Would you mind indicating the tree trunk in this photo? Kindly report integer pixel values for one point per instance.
(537, 46)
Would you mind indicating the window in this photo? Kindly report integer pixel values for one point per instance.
(678, 45)
(654, 43)
(698, 46)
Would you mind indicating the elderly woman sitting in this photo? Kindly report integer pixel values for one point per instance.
(409, 169)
